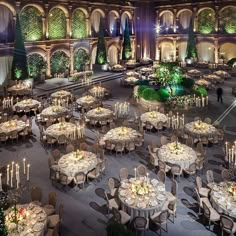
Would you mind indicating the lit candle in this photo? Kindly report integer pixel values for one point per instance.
(11, 176)
(8, 174)
(28, 170)
(0, 182)
(12, 165)
(24, 165)
(135, 173)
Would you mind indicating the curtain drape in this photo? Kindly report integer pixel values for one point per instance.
(5, 69)
(184, 19)
(112, 55)
(95, 20)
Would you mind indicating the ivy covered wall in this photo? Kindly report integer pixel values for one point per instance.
(79, 28)
(206, 21)
(36, 65)
(59, 62)
(81, 58)
(57, 24)
(228, 20)
(31, 24)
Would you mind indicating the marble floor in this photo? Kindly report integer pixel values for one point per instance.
(80, 219)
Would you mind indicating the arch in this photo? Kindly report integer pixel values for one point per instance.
(40, 8)
(59, 62)
(93, 53)
(182, 47)
(228, 6)
(31, 23)
(228, 20)
(36, 64)
(206, 20)
(165, 11)
(166, 21)
(227, 50)
(37, 50)
(100, 11)
(57, 26)
(64, 9)
(205, 51)
(9, 6)
(205, 8)
(160, 42)
(112, 54)
(128, 14)
(116, 13)
(81, 59)
(96, 17)
(167, 49)
(7, 24)
(81, 9)
(124, 17)
(60, 48)
(113, 26)
(183, 10)
(79, 24)
(184, 17)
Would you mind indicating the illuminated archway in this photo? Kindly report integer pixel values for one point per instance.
(205, 52)
(112, 55)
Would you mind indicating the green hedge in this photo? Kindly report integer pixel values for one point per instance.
(151, 94)
(201, 91)
(188, 83)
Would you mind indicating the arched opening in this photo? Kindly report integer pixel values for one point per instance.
(205, 52)
(96, 19)
(206, 21)
(228, 20)
(36, 65)
(167, 50)
(31, 23)
(113, 27)
(184, 20)
(57, 24)
(182, 51)
(7, 27)
(59, 62)
(124, 18)
(79, 26)
(227, 51)
(81, 60)
(112, 55)
(166, 22)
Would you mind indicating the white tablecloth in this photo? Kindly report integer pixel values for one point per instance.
(131, 80)
(31, 103)
(34, 222)
(153, 117)
(99, 114)
(202, 129)
(54, 112)
(142, 197)
(19, 89)
(61, 94)
(12, 125)
(86, 101)
(223, 200)
(72, 163)
(98, 91)
(70, 130)
(179, 154)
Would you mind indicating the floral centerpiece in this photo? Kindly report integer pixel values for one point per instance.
(152, 114)
(199, 125)
(232, 188)
(123, 131)
(62, 126)
(78, 154)
(11, 124)
(98, 110)
(176, 148)
(141, 188)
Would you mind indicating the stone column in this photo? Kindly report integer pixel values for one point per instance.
(158, 23)
(48, 54)
(174, 20)
(217, 19)
(216, 50)
(46, 21)
(18, 7)
(70, 21)
(44, 27)
(67, 27)
(195, 17)
(88, 25)
(71, 59)
(174, 51)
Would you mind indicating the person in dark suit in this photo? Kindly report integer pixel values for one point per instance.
(219, 92)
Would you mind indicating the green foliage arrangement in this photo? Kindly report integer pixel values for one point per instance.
(140, 89)
(188, 83)
(201, 91)
(81, 58)
(232, 62)
(163, 94)
(36, 65)
(31, 24)
(206, 21)
(19, 62)
(127, 50)
(191, 51)
(101, 55)
(79, 27)
(142, 82)
(228, 20)
(151, 94)
(59, 62)
(57, 24)
(3, 227)
(115, 229)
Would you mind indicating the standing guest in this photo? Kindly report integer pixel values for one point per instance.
(219, 92)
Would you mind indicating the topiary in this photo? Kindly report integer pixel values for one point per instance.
(149, 94)
(140, 90)
(201, 91)
(188, 83)
(142, 82)
(163, 95)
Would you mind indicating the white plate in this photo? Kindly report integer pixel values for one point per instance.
(125, 185)
(122, 193)
(154, 203)
(161, 197)
(141, 205)
(38, 227)
(129, 201)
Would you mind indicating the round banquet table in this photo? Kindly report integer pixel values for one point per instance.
(100, 114)
(70, 130)
(223, 74)
(153, 117)
(32, 221)
(120, 135)
(130, 80)
(61, 94)
(19, 89)
(142, 196)
(199, 129)
(223, 199)
(75, 162)
(214, 78)
(54, 112)
(98, 91)
(31, 103)
(177, 153)
(86, 101)
(203, 82)
(12, 125)
(194, 73)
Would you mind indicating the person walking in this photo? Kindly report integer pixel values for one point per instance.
(219, 92)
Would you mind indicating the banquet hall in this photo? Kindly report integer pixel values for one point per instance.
(117, 118)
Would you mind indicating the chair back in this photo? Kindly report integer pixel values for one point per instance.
(56, 154)
(210, 176)
(174, 187)
(111, 184)
(162, 165)
(83, 146)
(189, 141)
(62, 139)
(70, 148)
(206, 210)
(116, 215)
(226, 223)
(163, 216)
(80, 177)
(140, 223)
(141, 170)
(173, 138)
(36, 194)
(198, 182)
(63, 178)
(225, 174)
(163, 140)
(124, 173)
(207, 120)
(52, 199)
(192, 167)
(161, 176)
(176, 169)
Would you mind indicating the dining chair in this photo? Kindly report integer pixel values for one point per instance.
(130, 146)
(80, 178)
(63, 179)
(94, 174)
(70, 148)
(191, 170)
(56, 154)
(13, 135)
(83, 146)
(140, 225)
(203, 192)
(56, 220)
(120, 216)
(207, 120)
(62, 139)
(226, 175)
(172, 195)
(123, 174)
(173, 138)
(112, 188)
(164, 140)
(210, 178)
(119, 148)
(141, 170)
(36, 195)
(111, 203)
(163, 166)
(50, 207)
(172, 209)
(176, 171)
(227, 225)
(161, 176)
(161, 218)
